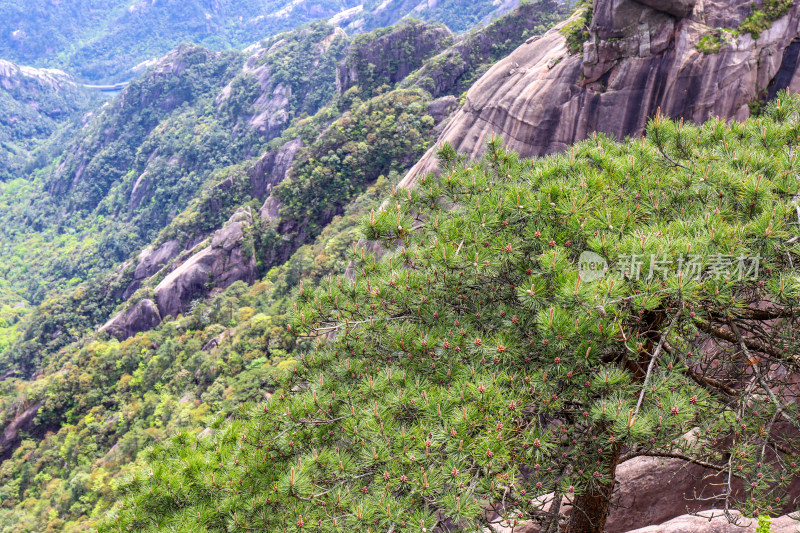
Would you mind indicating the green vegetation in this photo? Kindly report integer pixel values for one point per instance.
(103, 41)
(761, 19)
(710, 44)
(428, 377)
(577, 31)
(386, 56)
(454, 70)
(388, 133)
(32, 108)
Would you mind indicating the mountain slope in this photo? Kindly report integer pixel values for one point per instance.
(159, 253)
(631, 61)
(104, 41)
(33, 102)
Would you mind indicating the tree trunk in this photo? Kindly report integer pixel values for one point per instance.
(590, 510)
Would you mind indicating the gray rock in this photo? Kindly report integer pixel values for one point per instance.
(270, 211)
(151, 261)
(553, 99)
(441, 108)
(143, 316)
(679, 8)
(273, 167)
(21, 422)
(224, 261)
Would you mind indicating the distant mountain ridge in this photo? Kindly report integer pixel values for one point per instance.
(106, 42)
(32, 104)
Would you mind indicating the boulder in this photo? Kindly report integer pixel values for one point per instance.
(143, 316)
(151, 261)
(678, 8)
(652, 490)
(270, 211)
(441, 108)
(21, 422)
(225, 260)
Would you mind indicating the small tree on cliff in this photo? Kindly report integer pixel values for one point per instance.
(482, 366)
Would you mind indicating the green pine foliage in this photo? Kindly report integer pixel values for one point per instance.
(385, 134)
(473, 365)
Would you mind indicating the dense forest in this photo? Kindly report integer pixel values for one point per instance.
(205, 193)
(113, 41)
(290, 275)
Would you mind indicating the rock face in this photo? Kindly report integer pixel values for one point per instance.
(143, 316)
(716, 523)
(653, 490)
(227, 259)
(10, 435)
(272, 168)
(151, 261)
(638, 58)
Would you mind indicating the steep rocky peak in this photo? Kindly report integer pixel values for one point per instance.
(14, 76)
(636, 60)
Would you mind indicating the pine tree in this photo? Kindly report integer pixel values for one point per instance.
(476, 367)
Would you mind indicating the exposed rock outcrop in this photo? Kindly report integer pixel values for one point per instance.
(22, 422)
(143, 316)
(662, 491)
(454, 70)
(228, 258)
(541, 99)
(13, 76)
(272, 167)
(151, 261)
(441, 108)
(270, 211)
(709, 522)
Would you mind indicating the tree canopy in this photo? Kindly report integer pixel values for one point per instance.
(476, 363)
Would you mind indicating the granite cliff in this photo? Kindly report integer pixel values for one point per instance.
(683, 57)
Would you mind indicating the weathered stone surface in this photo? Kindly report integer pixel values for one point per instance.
(273, 167)
(653, 490)
(540, 99)
(151, 261)
(441, 108)
(143, 316)
(221, 263)
(21, 422)
(715, 522)
(270, 211)
(679, 8)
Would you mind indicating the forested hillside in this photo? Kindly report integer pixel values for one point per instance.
(107, 41)
(147, 268)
